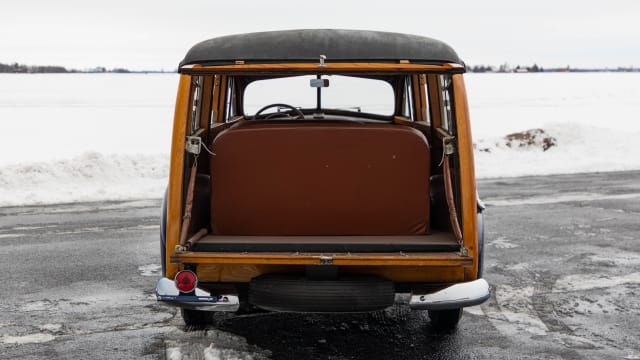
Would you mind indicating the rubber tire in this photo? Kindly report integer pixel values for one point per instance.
(445, 320)
(163, 234)
(195, 318)
(299, 294)
(480, 244)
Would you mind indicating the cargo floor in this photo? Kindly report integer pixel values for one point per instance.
(436, 242)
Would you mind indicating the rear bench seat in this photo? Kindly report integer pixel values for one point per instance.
(320, 179)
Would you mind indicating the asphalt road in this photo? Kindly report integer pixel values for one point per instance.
(562, 255)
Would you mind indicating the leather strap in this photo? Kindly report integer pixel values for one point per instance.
(448, 189)
(186, 219)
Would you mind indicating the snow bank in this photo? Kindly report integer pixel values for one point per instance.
(88, 177)
(576, 149)
(27, 339)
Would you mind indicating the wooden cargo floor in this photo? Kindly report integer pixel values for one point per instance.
(435, 242)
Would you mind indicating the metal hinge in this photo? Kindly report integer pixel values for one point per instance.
(464, 251)
(194, 145)
(448, 145)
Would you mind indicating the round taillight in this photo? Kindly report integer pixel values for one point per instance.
(186, 281)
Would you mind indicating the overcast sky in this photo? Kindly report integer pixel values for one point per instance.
(155, 34)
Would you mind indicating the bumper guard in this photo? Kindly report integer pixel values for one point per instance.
(167, 292)
(453, 297)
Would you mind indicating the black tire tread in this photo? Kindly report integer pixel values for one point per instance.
(196, 319)
(445, 320)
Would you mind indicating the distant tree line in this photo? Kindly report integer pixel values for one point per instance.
(506, 68)
(38, 69)
(20, 68)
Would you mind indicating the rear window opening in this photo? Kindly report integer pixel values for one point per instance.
(344, 93)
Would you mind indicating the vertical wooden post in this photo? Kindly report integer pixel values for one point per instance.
(467, 175)
(176, 171)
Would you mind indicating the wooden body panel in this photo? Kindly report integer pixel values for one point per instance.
(467, 175)
(340, 259)
(176, 171)
(239, 273)
(414, 267)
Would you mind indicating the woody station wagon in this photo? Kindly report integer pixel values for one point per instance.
(322, 171)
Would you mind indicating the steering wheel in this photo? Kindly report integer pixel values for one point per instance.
(293, 109)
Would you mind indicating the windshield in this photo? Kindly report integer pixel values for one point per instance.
(343, 93)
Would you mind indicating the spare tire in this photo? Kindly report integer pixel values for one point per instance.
(300, 294)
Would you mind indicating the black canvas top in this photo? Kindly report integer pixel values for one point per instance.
(308, 45)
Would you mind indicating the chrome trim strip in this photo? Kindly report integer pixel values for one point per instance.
(167, 292)
(453, 297)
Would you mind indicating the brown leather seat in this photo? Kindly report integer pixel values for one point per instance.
(320, 179)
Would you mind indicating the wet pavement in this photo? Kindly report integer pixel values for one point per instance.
(562, 255)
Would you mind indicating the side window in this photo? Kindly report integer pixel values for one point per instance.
(446, 97)
(230, 101)
(196, 85)
(426, 106)
(407, 99)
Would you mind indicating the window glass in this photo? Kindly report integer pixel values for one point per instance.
(344, 93)
(196, 102)
(446, 96)
(230, 104)
(426, 115)
(407, 102)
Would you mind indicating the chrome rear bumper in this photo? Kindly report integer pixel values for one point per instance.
(453, 297)
(167, 292)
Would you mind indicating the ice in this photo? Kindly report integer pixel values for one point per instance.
(152, 270)
(95, 137)
(51, 327)
(516, 308)
(502, 243)
(582, 282)
(210, 344)
(173, 353)
(27, 339)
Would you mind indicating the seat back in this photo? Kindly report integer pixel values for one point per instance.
(320, 179)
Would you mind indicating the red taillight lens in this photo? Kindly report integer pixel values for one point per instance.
(186, 281)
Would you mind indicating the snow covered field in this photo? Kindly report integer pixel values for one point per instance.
(62, 136)
(594, 117)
